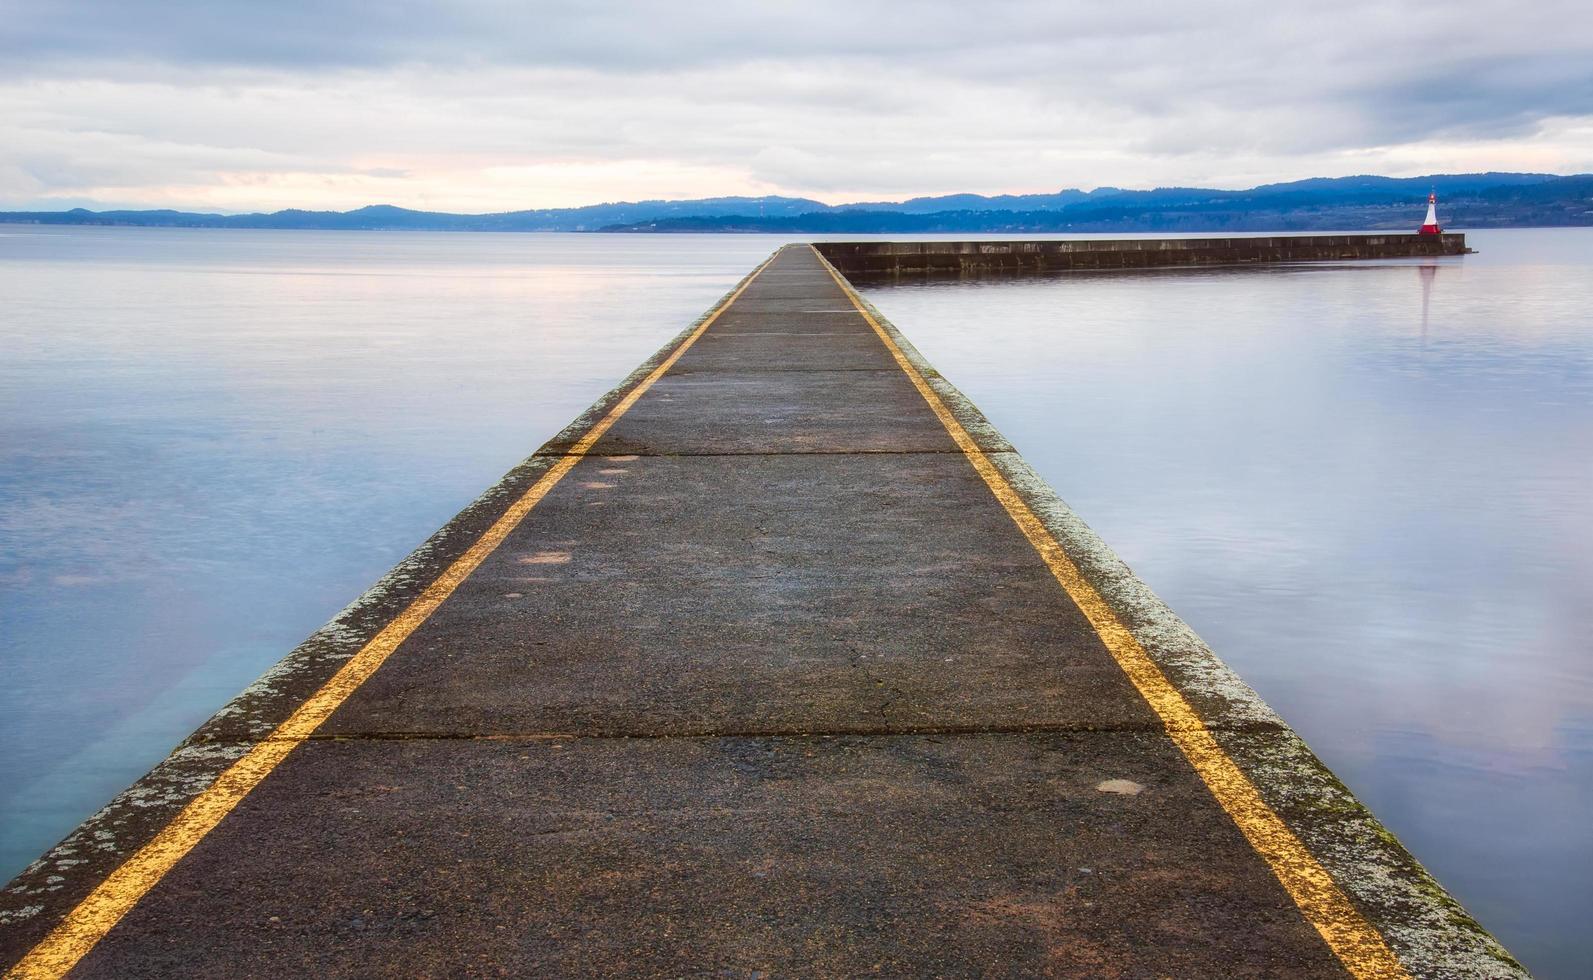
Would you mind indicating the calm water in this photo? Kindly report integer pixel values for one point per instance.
(1366, 485)
(1370, 487)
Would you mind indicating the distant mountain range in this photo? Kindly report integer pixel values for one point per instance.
(1490, 200)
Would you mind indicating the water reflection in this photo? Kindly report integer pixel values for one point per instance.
(1428, 273)
(1370, 495)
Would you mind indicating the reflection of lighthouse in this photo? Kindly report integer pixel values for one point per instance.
(1428, 271)
(1430, 226)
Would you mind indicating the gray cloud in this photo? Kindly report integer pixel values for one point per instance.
(610, 34)
(413, 101)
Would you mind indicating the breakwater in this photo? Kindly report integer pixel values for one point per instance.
(779, 659)
(979, 257)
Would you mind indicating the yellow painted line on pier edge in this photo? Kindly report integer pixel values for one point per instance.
(92, 918)
(1357, 944)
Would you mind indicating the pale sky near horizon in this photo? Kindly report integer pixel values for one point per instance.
(490, 106)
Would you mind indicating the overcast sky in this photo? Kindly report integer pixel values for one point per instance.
(485, 106)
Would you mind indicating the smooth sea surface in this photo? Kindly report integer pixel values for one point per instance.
(1366, 484)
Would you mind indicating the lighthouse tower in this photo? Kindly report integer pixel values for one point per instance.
(1430, 226)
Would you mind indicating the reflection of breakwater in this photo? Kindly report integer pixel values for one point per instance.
(942, 258)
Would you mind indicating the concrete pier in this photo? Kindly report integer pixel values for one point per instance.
(982, 257)
(778, 661)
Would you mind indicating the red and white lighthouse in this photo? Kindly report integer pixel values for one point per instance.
(1430, 226)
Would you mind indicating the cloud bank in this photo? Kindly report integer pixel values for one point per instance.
(488, 106)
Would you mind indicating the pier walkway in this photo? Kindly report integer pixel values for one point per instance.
(777, 662)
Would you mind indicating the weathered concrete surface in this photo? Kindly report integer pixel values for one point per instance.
(690, 595)
(983, 258)
(770, 685)
(836, 856)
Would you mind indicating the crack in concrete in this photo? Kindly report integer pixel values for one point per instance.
(708, 734)
(644, 454)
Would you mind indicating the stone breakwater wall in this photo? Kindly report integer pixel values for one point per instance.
(983, 257)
